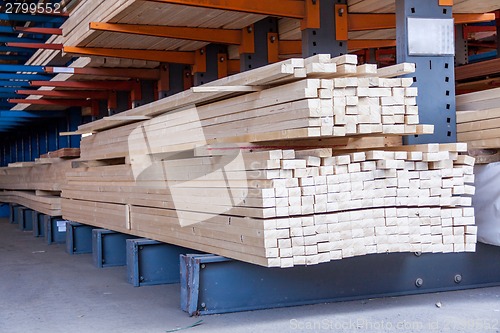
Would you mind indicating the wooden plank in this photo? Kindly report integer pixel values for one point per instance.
(396, 70)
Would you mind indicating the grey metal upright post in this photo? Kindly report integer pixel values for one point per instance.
(461, 46)
(424, 32)
(324, 40)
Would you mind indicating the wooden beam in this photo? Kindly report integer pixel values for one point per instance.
(65, 102)
(135, 73)
(186, 58)
(66, 94)
(87, 85)
(126, 118)
(226, 88)
(220, 36)
(281, 8)
(73, 133)
(468, 87)
(483, 68)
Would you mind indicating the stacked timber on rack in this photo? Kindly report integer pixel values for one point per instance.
(478, 123)
(37, 185)
(285, 165)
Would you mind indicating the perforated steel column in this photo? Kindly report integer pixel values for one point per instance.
(434, 74)
(461, 46)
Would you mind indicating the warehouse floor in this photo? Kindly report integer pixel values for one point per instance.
(43, 289)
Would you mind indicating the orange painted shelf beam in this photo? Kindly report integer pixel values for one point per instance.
(87, 85)
(282, 8)
(221, 36)
(186, 58)
(37, 30)
(92, 94)
(36, 46)
(135, 73)
(64, 102)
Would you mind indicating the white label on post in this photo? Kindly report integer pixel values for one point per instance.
(431, 37)
(61, 226)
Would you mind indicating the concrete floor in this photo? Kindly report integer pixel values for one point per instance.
(43, 289)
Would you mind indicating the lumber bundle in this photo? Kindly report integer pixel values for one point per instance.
(478, 119)
(46, 174)
(336, 99)
(37, 185)
(63, 153)
(288, 207)
(282, 166)
(41, 202)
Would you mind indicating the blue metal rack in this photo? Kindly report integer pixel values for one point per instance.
(38, 224)
(78, 238)
(212, 284)
(109, 248)
(55, 229)
(150, 262)
(26, 221)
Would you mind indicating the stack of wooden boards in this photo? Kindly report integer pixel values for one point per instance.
(288, 207)
(478, 119)
(257, 167)
(37, 185)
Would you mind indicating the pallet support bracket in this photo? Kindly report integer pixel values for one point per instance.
(19, 215)
(38, 224)
(78, 238)
(55, 229)
(211, 284)
(26, 220)
(12, 213)
(150, 262)
(109, 248)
